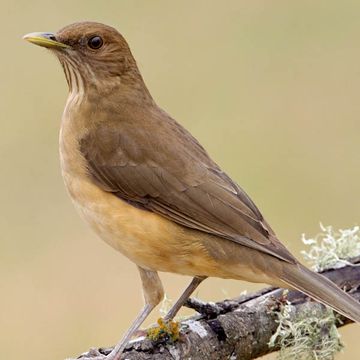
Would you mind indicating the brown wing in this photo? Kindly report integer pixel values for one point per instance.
(160, 167)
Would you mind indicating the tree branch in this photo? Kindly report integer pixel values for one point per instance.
(239, 328)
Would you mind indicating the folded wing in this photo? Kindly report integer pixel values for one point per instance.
(169, 173)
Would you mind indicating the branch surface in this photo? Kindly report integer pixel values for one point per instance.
(239, 328)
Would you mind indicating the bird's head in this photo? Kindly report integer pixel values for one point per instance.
(91, 54)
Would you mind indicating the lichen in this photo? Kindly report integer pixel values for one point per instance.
(332, 249)
(310, 335)
(165, 305)
(166, 331)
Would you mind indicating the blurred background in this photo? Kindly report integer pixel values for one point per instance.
(270, 88)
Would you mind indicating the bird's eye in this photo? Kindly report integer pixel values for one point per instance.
(95, 42)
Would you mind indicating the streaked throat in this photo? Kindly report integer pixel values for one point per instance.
(73, 75)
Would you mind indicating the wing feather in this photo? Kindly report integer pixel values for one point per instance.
(169, 173)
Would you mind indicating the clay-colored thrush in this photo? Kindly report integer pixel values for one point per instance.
(150, 190)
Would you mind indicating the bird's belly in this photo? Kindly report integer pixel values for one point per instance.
(153, 242)
(146, 238)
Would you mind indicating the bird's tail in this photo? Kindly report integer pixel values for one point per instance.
(321, 289)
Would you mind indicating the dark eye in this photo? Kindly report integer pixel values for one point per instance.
(95, 42)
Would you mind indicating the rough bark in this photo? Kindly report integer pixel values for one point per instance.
(239, 328)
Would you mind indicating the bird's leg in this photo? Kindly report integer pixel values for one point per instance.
(153, 294)
(195, 282)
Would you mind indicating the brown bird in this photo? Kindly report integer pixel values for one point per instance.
(150, 190)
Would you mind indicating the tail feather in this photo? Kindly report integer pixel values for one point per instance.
(321, 289)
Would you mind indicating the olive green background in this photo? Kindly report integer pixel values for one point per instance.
(271, 88)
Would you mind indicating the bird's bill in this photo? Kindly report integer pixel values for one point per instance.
(45, 40)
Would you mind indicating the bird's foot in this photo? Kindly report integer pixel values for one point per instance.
(165, 331)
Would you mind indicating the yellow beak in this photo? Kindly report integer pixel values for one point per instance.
(47, 40)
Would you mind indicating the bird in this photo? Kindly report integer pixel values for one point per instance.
(149, 189)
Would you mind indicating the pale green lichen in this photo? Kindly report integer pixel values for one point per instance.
(311, 335)
(166, 305)
(332, 249)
